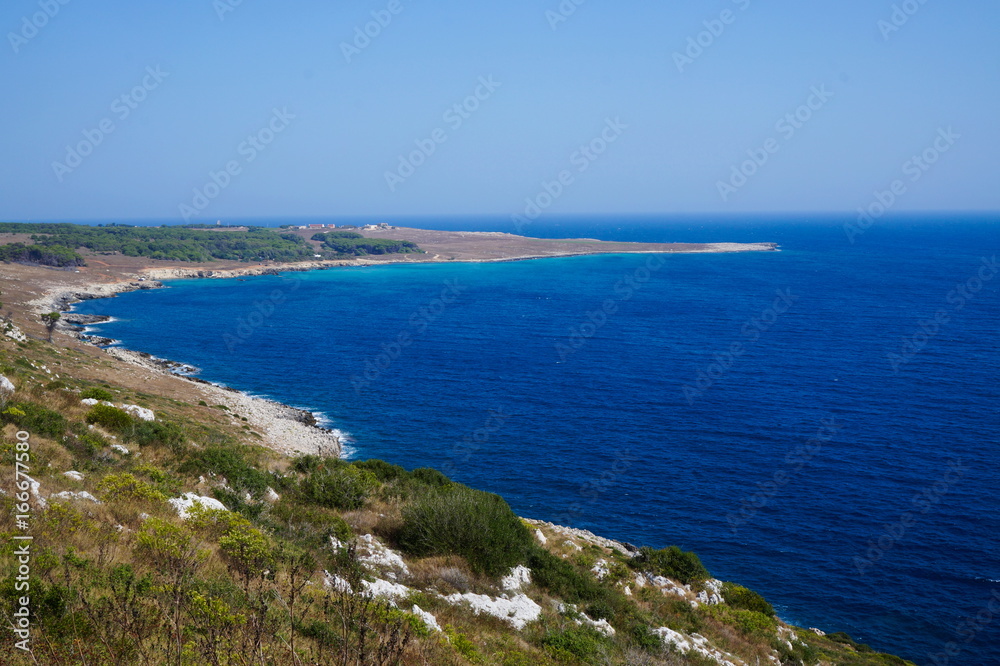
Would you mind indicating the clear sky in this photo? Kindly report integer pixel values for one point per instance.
(331, 114)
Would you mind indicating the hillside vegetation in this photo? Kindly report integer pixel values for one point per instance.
(315, 560)
(58, 244)
(354, 244)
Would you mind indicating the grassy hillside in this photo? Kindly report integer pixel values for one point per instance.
(318, 561)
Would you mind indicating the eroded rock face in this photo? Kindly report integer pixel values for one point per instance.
(517, 611)
(518, 577)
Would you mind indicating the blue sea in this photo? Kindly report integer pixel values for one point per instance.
(819, 424)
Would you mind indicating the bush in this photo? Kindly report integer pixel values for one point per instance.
(313, 523)
(562, 579)
(382, 470)
(431, 477)
(737, 596)
(157, 433)
(96, 393)
(580, 642)
(109, 417)
(126, 487)
(458, 520)
(236, 463)
(35, 419)
(752, 623)
(339, 487)
(671, 562)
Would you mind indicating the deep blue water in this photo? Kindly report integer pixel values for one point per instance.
(596, 430)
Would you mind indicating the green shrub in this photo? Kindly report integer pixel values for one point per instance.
(96, 393)
(562, 579)
(458, 520)
(313, 523)
(35, 419)
(671, 562)
(237, 463)
(752, 623)
(737, 596)
(431, 477)
(580, 642)
(55, 386)
(339, 487)
(382, 470)
(109, 417)
(158, 434)
(126, 487)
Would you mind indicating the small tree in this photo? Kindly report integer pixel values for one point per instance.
(50, 320)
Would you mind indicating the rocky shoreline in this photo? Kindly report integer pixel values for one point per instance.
(284, 428)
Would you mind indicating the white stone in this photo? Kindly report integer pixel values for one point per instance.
(271, 496)
(82, 495)
(600, 569)
(375, 556)
(541, 537)
(694, 643)
(383, 589)
(713, 595)
(120, 449)
(185, 502)
(90, 402)
(581, 618)
(14, 333)
(429, 620)
(6, 386)
(518, 612)
(336, 583)
(73, 474)
(518, 577)
(140, 412)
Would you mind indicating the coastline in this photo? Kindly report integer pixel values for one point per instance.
(284, 428)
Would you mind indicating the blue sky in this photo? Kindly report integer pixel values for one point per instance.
(328, 124)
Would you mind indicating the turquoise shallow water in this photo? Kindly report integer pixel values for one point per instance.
(819, 423)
